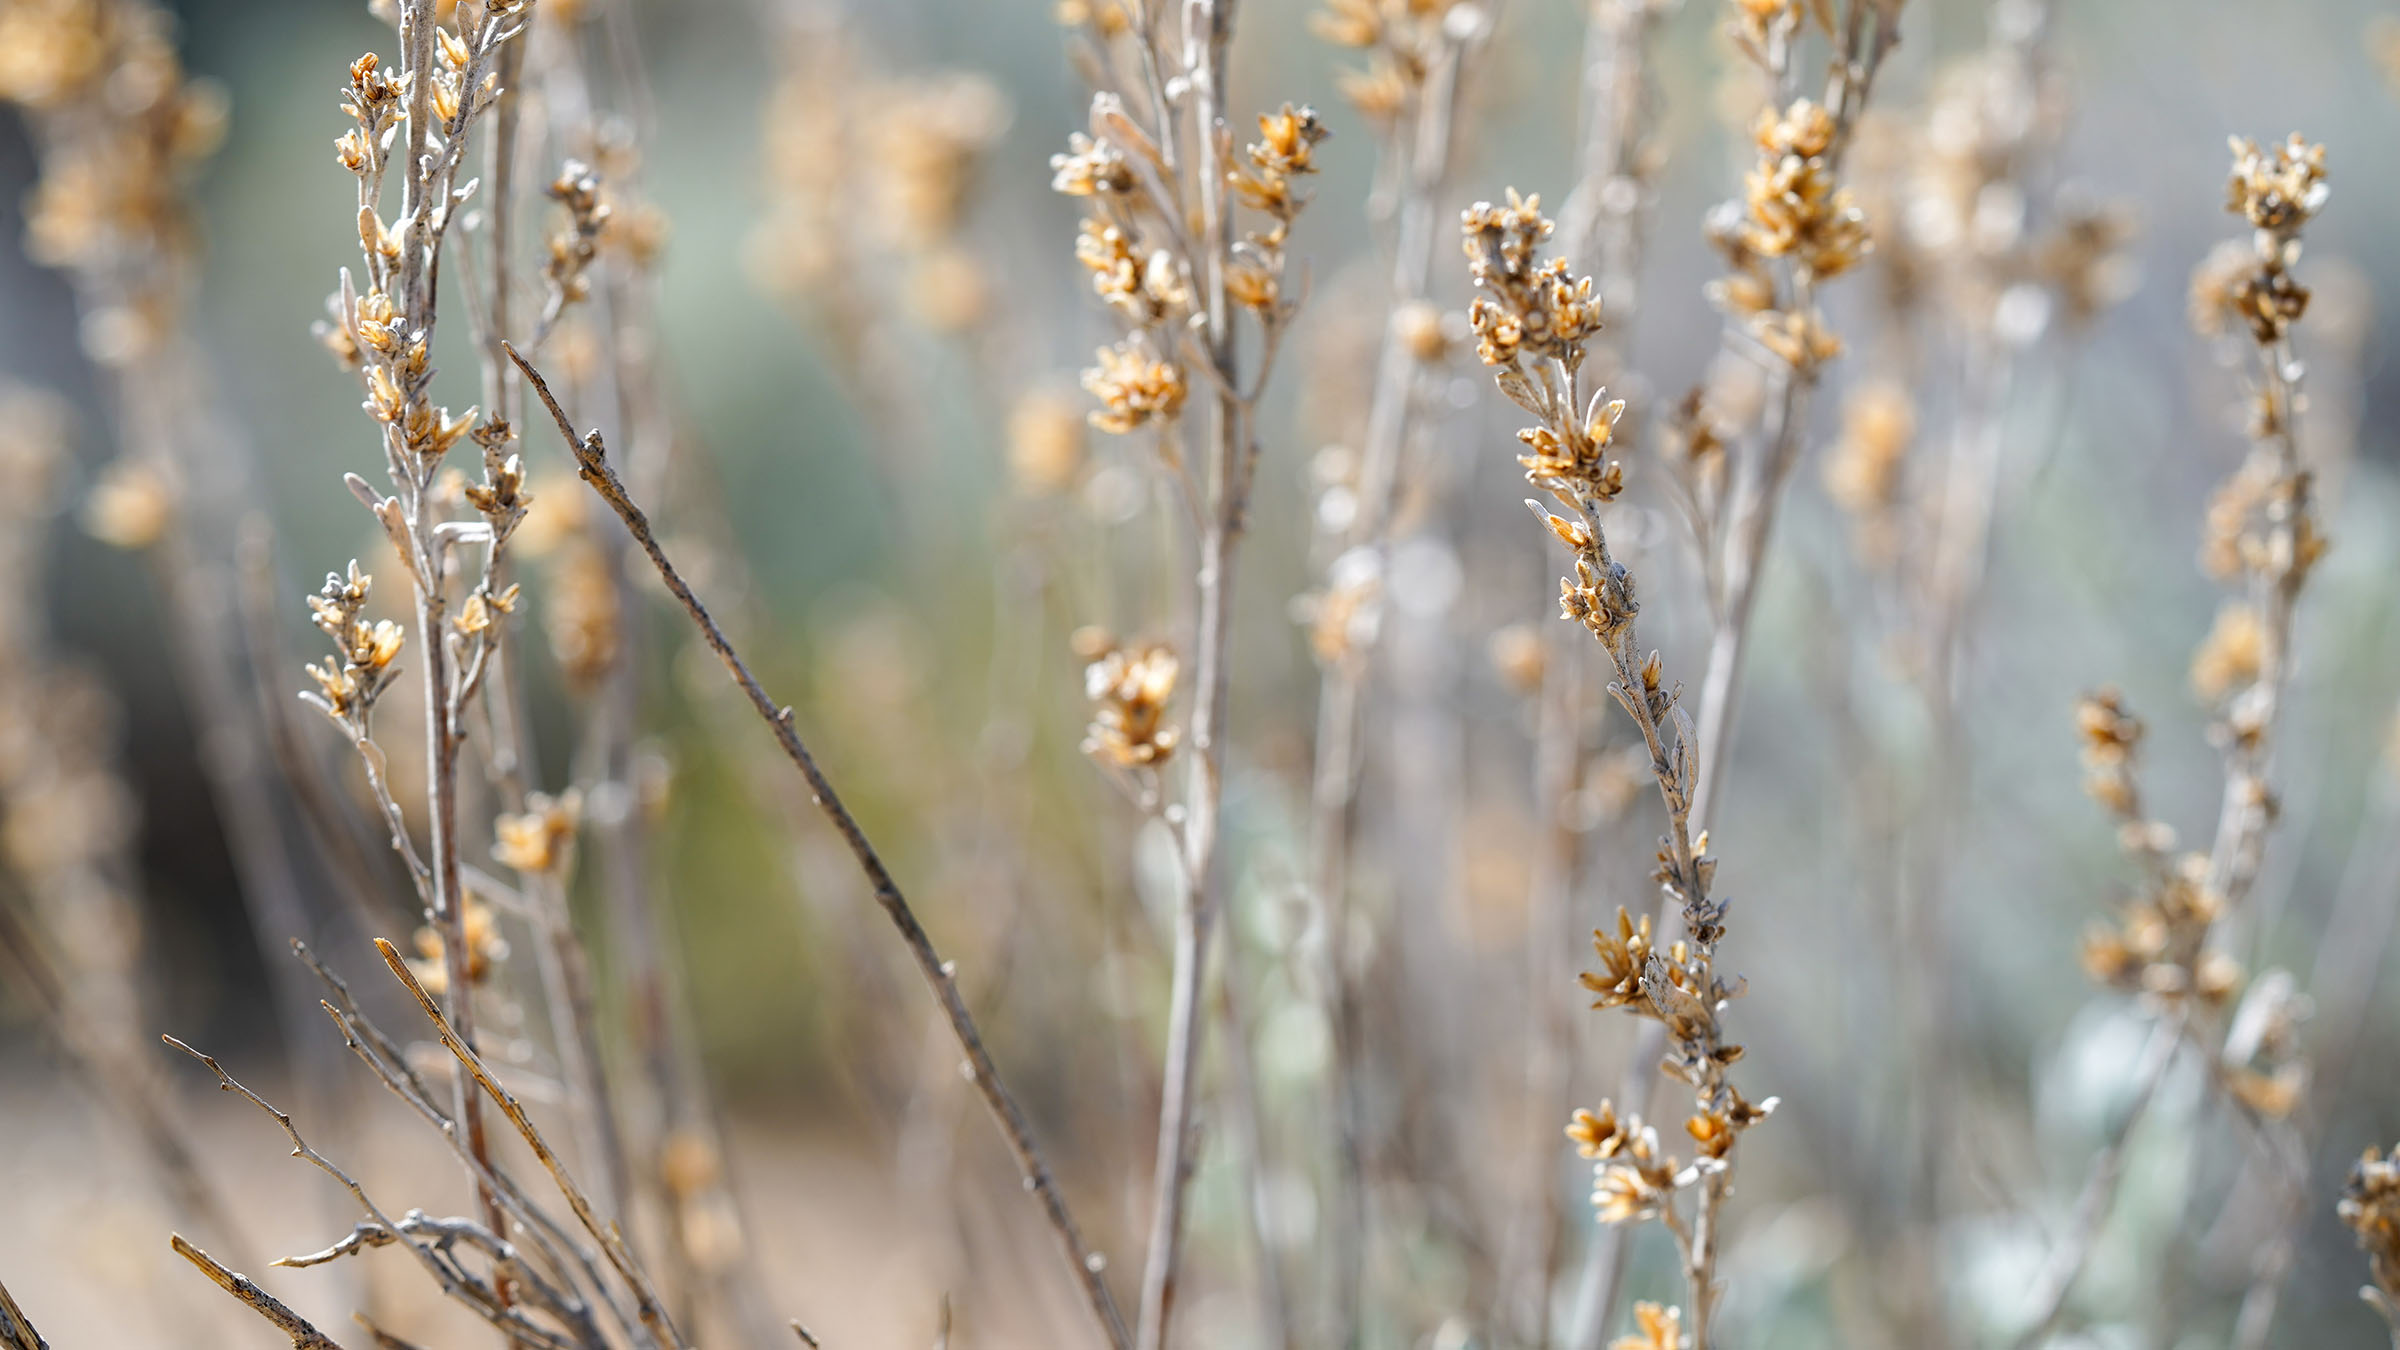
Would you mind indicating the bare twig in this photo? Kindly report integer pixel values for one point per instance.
(17, 1333)
(591, 457)
(647, 1305)
(266, 1305)
(455, 1281)
(2070, 1253)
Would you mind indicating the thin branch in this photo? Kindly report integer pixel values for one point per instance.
(17, 1333)
(1207, 35)
(591, 458)
(454, 1280)
(266, 1305)
(2071, 1253)
(647, 1304)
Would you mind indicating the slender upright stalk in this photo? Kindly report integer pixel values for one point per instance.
(1423, 156)
(1207, 28)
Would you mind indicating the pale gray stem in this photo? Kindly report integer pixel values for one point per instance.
(2072, 1251)
(1208, 27)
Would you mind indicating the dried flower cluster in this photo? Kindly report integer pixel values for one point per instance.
(2167, 943)
(361, 667)
(577, 242)
(1792, 211)
(2278, 191)
(1133, 244)
(870, 177)
(2370, 1205)
(1403, 40)
(1533, 318)
(1165, 243)
(1129, 688)
(121, 129)
(1865, 467)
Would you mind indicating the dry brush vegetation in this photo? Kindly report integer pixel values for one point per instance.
(1229, 810)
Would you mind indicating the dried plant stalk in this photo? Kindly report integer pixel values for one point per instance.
(120, 129)
(2262, 534)
(1533, 323)
(591, 458)
(1160, 242)
(1795, 228)
(1413, 90)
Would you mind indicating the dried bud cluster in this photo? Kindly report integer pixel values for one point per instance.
(1531, 321)
(119, 128)
(572, 248)
(2278, 191)
(1795, 210)
(2260, 533)
(349, 682)
(1529, 306)
(874, 176)
(1129, 688)
(542, 837)
(485, 948)
(1133, 243)
(386, 334)
(1792, 211)
(1656, 1328)
(1403, 39)
(1284, 151)
(2370, 1205)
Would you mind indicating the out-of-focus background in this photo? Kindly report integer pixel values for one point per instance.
(844, 447)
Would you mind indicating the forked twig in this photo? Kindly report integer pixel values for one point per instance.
(266, 1305)
(591, 460)
(647, 1305)
(454, 1280)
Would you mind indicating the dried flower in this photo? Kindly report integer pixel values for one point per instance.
(573, 246)
(1133, 386)
(2228, 659)
(1130, 688)
(1045, 441)
(361, 667)
(130, 506)
(485, 949)
(2370, 1205)
(1623, 955)
(1659, 1329)
(542, 837)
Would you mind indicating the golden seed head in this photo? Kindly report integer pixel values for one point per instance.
(130, 507)
(1045, 442)
(1130, 688)
(1133, 386)
(1658, 1327)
